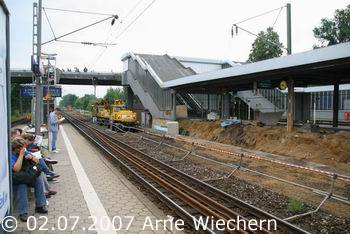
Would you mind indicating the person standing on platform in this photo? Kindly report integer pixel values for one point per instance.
(54, 129)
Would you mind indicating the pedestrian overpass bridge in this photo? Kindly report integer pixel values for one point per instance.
(25, 76)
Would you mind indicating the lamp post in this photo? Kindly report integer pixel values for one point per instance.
(49, 57)
(94, 83)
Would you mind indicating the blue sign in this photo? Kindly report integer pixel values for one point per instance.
(29, 91)
(54, 91)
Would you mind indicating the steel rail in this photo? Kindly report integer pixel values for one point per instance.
(170, 202)
(183, 192)
(235, 167)
(218, 210)
(342, 177)
(126, 148)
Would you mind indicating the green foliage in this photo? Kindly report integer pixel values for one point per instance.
(88, 100)
(113, 94)
(20, 106)
(295, 206)
(267, 45)
(336, 30)
(85, 102)
(68, 100)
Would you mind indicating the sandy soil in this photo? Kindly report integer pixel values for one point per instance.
(331, 149)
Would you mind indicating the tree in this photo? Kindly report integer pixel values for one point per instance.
(113, 94)
(334, 31)
(19, 105)
(85, 102)
(267, 45)
(68, 100)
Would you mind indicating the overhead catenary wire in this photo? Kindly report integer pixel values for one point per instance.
(110, 16)
(48, 21)
(79, 29)
(132, 9)
(135, 19)
(88, 43)
(270, 42)
(256, 16)
(127, 27)
(77, 11)
(278, 15)
(109, 34)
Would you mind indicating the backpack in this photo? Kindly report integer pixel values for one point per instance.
(28, 173)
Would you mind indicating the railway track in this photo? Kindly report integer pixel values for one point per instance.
(192, 199)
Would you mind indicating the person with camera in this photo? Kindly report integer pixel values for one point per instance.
(26, 173)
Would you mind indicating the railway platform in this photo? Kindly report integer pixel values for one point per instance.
(93, 196)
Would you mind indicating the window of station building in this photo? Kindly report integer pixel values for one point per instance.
(330, 100)
(322, 101)
(344, 100)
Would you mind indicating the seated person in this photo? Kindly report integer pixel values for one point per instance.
(20, 189)
(31, 147)
(17, 132)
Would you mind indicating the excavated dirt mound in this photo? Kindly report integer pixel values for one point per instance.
(332, 149)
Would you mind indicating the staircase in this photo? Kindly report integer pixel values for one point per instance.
(265, 110)
(145, 75)
(193, 106)
(145, 98)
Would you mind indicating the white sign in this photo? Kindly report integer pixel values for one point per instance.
(4, 172)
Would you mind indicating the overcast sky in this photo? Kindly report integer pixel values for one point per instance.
(192, 28)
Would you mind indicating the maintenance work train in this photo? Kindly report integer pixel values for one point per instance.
(104, 113)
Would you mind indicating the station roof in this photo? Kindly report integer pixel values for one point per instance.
(316, 67)
(165, 67)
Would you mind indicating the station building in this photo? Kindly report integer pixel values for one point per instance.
(170, 87)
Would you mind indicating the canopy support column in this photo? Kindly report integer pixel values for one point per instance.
(226, 106)
(290, 114)
(173, 112)
(335, 104)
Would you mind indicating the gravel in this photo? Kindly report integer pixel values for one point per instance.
(268, 200)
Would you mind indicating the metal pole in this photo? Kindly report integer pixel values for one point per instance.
(314, 111)
(35, 12)
(336, 104)
(48, 105)
(291, 99)
(248, 110)
(289, 29)
(38, 91)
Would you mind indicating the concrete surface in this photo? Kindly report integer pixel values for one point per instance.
(117, 195)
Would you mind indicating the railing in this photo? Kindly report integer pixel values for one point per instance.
(275, 96)
(162, 98)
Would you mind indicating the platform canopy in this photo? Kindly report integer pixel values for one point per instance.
(324, 66)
